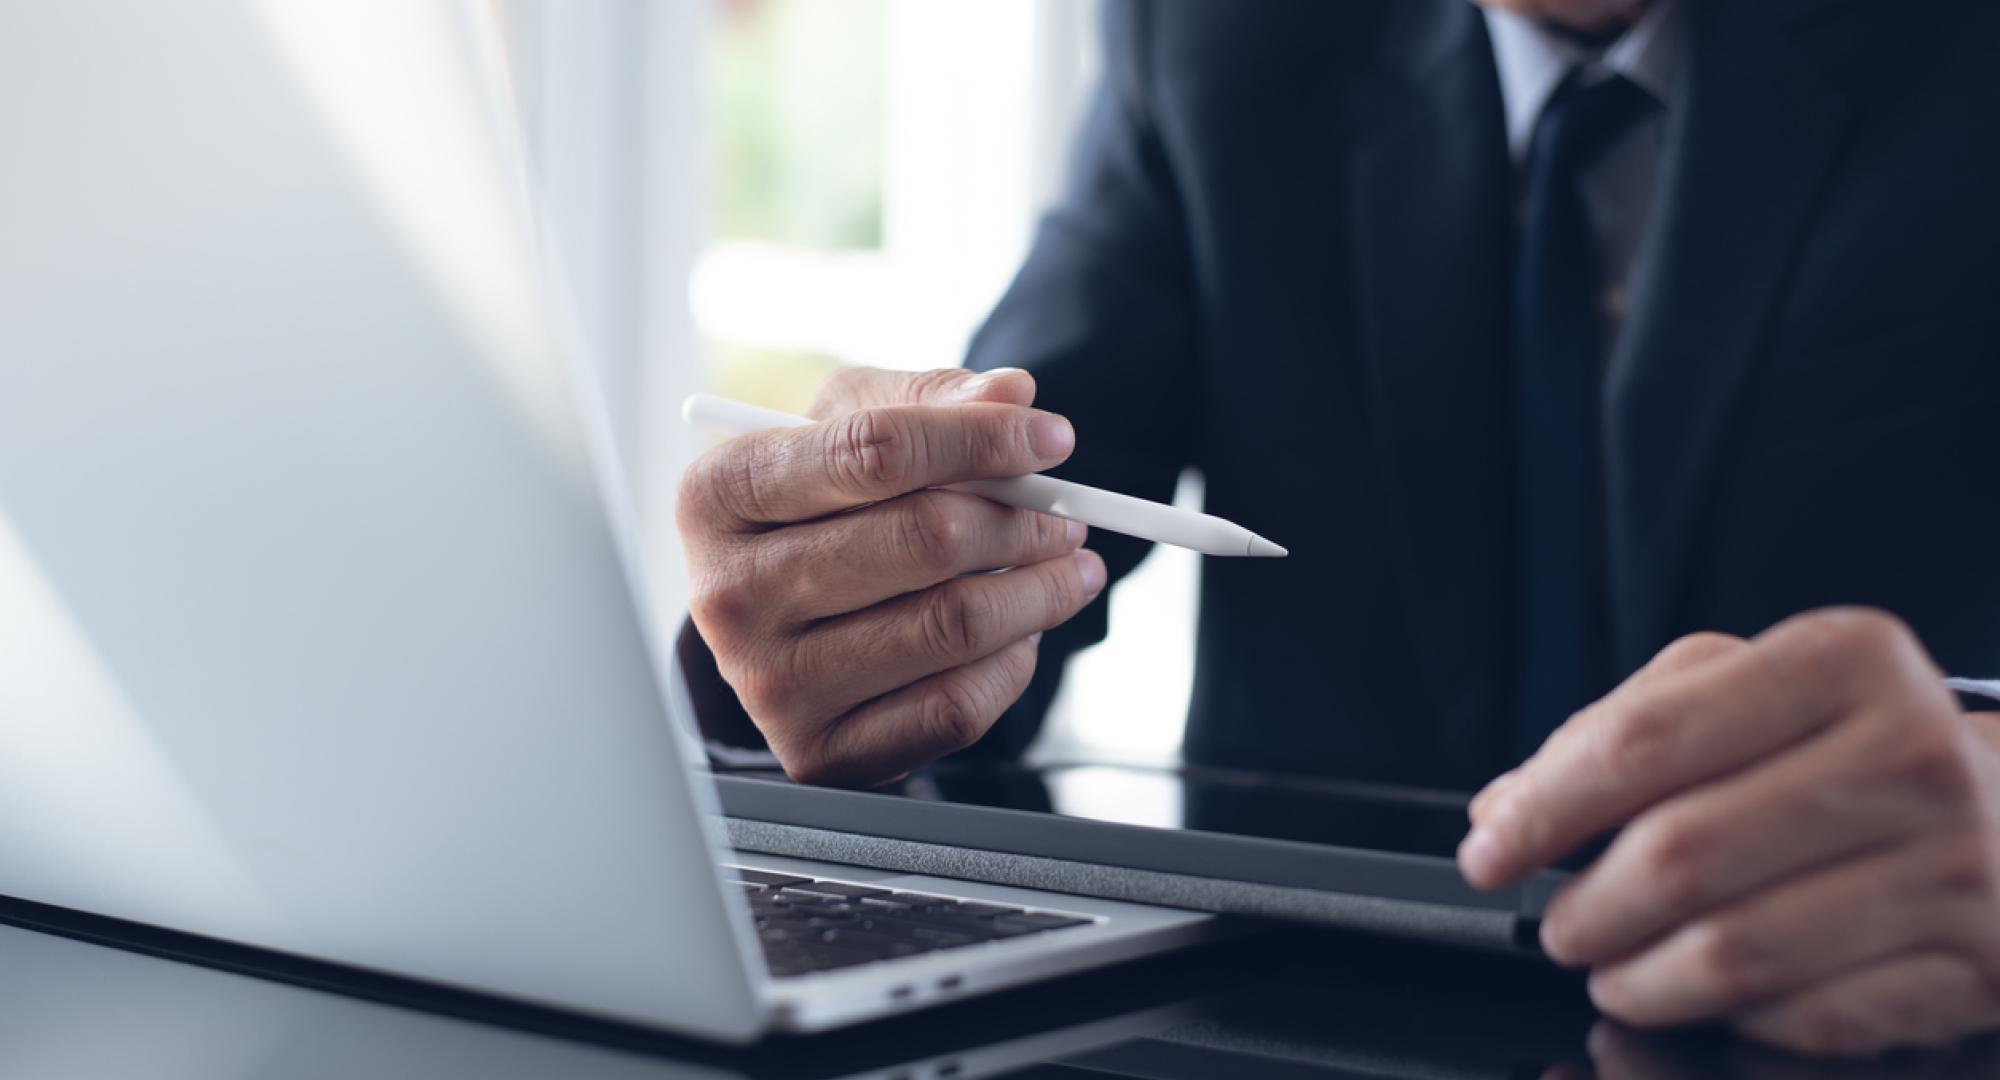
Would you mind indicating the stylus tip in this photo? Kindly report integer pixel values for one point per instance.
(1261, 548)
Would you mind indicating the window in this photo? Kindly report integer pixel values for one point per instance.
(751, 193)
(877, 167)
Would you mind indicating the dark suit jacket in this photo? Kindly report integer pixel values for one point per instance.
(1283, 260)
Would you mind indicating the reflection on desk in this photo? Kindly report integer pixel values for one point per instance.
(1317, 1005)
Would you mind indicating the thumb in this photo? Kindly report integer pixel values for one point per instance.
(855, 388)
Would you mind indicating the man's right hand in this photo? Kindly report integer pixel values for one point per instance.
(830, 577)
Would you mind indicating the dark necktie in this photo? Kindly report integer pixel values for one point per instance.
(1559, 353)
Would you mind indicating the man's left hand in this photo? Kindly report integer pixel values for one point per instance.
(1810, 842)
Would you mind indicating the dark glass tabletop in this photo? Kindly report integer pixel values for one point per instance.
(1283, 1004)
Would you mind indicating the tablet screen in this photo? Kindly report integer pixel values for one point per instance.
(1270, 806)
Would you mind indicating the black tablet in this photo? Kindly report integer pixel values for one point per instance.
(1358, 855)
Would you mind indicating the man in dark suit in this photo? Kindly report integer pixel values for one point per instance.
(1567, 344)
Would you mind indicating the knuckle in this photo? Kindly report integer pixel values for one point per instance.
(721, 608)
(694, 498)
(1933, 757)
(728, 479)
(958, 623)
(1968, 864)
(1736, 963)
(934, 531)
(717, 486)
(1047, 532)
(765, 694)
(1844, 637)
(925, 385)
(874, 449)
(763, 705)
(952, 715)
(1521, 822)
(1672, 855)
(805, 763)
(1637, 741)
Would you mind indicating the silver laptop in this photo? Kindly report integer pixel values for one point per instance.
(317, 628)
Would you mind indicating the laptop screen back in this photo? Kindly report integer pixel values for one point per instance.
(313, 629)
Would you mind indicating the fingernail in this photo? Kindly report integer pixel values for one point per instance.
(1479, 856)
(1075, 531)
(971, 389)
(1051, 437)
(1091, 569)
(1035, 638)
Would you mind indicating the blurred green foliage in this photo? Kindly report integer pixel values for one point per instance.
(775, 380)
(795, 110)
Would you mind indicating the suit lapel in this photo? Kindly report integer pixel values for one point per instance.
(1429, 215)
(1754, 131)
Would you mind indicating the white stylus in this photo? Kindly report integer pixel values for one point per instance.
(1094, 507)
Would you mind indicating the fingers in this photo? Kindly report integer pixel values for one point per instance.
(800, 474)
(1683, 654)
(1852, 788)
(827, 564)
(1651, 739)
(935, 716)
(846, 661)
(1921, 999)
(1923, 896)
(851, 561)
(854, 388)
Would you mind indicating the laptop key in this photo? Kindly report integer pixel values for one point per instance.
(919, 901)
(825, 957)
(882, 944)
(807, 926)
(807, 899)
(834, 910)
(984, 911)
(958, 924)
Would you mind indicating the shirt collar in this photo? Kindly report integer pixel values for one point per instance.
(1533, 62)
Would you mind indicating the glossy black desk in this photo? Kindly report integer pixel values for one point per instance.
(1279, 1005)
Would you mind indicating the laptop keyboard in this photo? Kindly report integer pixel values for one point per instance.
(809, 925)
